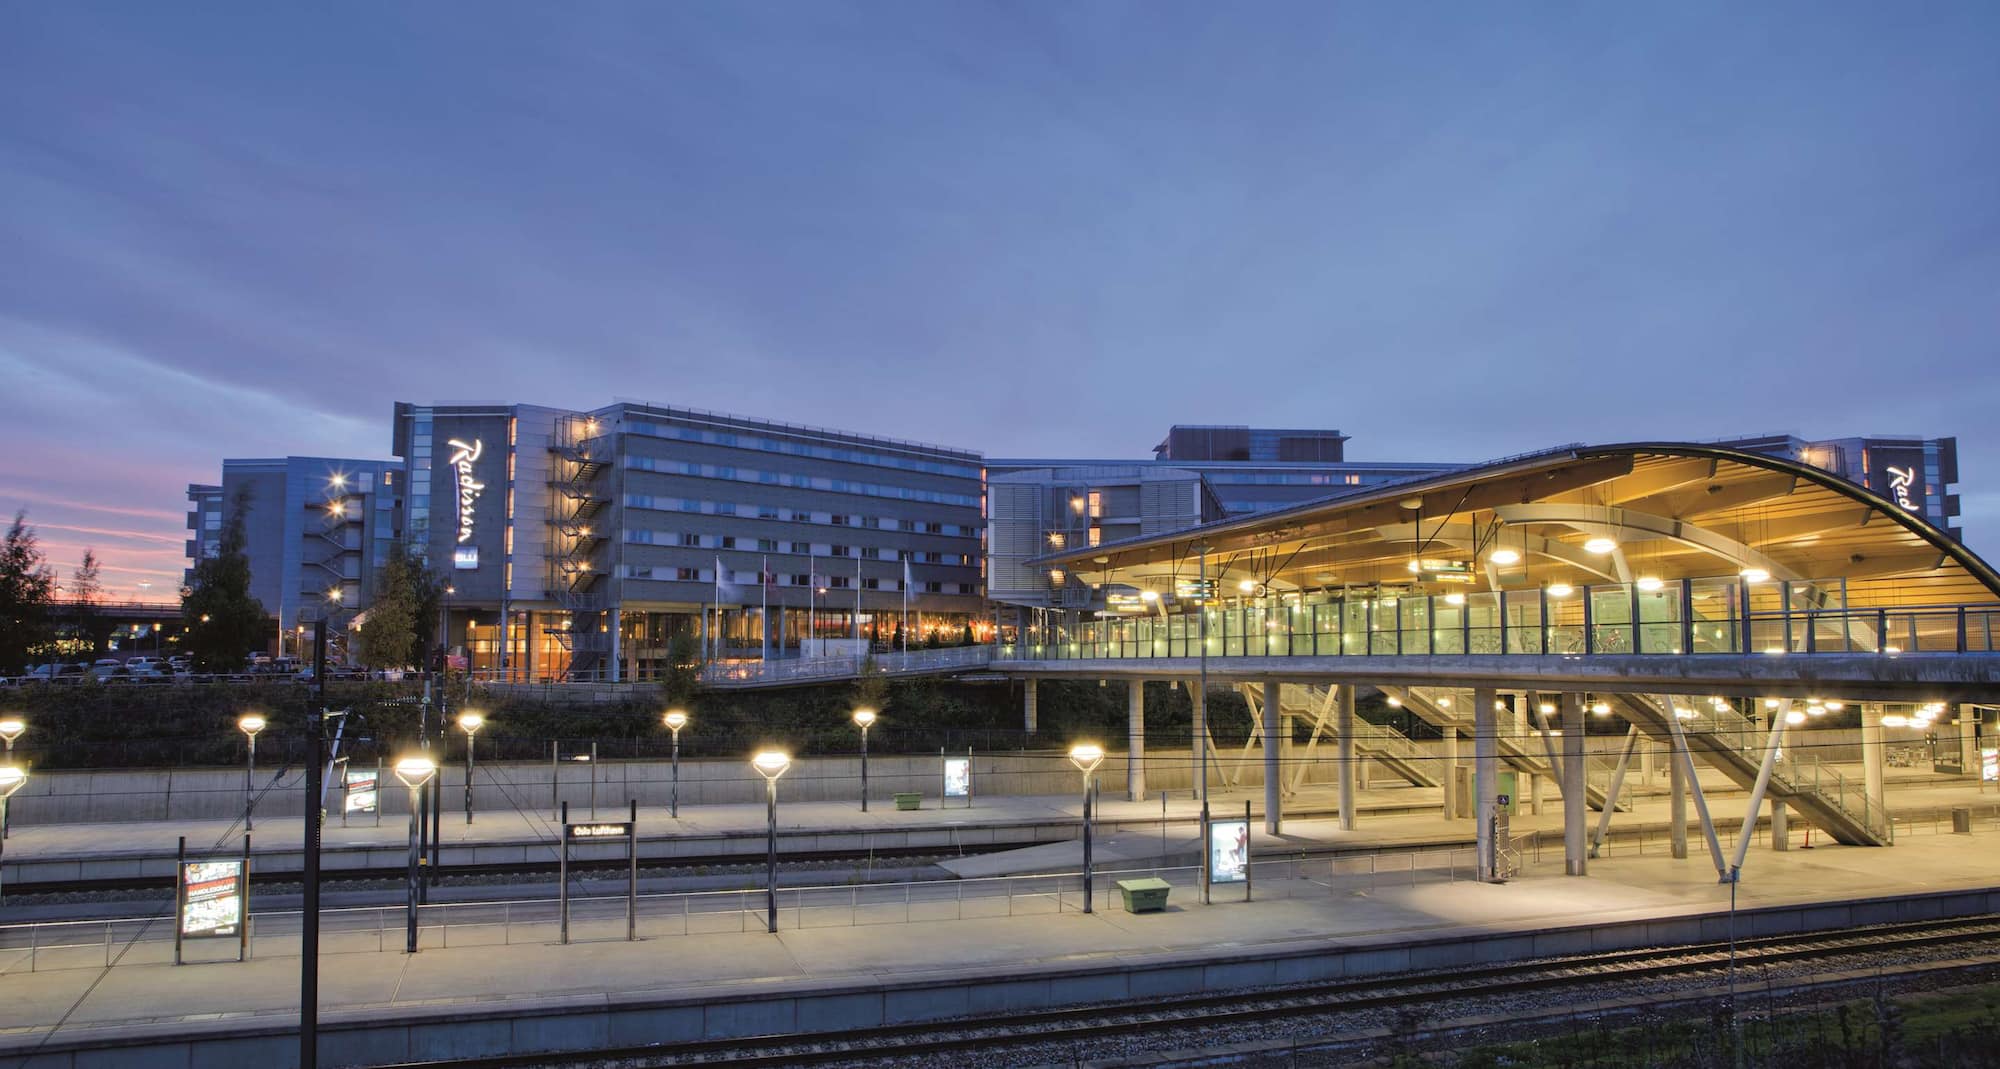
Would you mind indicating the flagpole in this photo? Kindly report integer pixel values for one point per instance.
(812, 598)
(764, 585)
(857, 599)
(906, 604)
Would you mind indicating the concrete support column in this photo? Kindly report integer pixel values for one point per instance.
(1485, 779)
(617, 640)
(1028, 707)
(1968, 747)
(1448, 772)
(1677, 804)
(1646, 761)
(1135, 740)
(1575, 842)
(1344, 723)
(1537, 786)
(1273, 788)
(1781, 834)
(1873, 757)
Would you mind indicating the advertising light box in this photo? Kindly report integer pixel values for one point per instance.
(211, 898)
(363, 795)
(958, 777)
(1228, 851)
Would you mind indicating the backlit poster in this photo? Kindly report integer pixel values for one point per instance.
(362, 795)
(1228, 851)
(211, 898)
(958, 777)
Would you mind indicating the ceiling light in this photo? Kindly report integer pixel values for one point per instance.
(1560, 590)
(1444, 703)
(1649, 583)
(1815, 710)
(1504, 556)
(1415, 567)
(1836, 706)
(1247, 585)
(1892, 649)
(1546, 708)
(1770, 703)
(1395, 702)
(1753, 574)
(1600, 545)
(1600, 709)
(1454, 599)
(1894, 720)
(1795, 718)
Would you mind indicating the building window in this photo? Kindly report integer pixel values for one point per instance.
(907, 525)
(871, 553)
(802, 547)
(871, 522)
(932, 558)
(688, 575)
(933, 588)
(768, 545)
(839, 551)
(839, 582)
(767, 512)
(837, 520)
(1096, 535)
(871, 584)
(968, 588)
(1096, 504)
(728, 541)
(802, 580)
(933, 528)
(689, 538)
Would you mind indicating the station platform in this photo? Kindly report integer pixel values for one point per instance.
(1388, 817)
(878, 959)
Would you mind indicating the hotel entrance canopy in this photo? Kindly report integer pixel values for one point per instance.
(1647, 548)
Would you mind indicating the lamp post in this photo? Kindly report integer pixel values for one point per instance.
(471, 722)
(675, 720)
(11, 728)
(250, 725)
(415, 772)
(1086, 757)
(863, 718)
(771, 764)
(12, 777)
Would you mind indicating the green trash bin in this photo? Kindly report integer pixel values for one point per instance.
(1145, 896)
(911, 800)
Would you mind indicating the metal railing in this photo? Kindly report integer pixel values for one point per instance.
(1674, 618)
(816, 668)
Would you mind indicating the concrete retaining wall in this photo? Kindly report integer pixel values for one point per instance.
(597, 1022)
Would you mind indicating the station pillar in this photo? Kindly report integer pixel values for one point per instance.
(1028, 707)
(1872, 756)
(1677, 803)
(1274, 718)
(1485, 781)
(1135, 740)
(1575, 846)
(1448, 747)
(1781, 832)
(1968, 746)
(1344, 724)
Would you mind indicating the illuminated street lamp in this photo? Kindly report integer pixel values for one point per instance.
(862, 719)
(12, 728)
(1086, 756)
(471, 722)
(771, 764)
(250, 725)
(416, 773)
(676, 719)
(12, 777)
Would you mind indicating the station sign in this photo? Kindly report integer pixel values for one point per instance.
(600, 830)
(1194, 589)
(1128, 603)
(1228, 851)
(211, 898)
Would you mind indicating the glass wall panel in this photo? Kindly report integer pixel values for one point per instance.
(1483, 613)
(1354, 634)
(1715, 625)
(1415, 616)
(1383, 616)
(1447, 626)
(1524, 621)
(1660, 620)
(1566, 623)
(1611, 618)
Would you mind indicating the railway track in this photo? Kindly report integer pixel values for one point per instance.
(1077, 1024)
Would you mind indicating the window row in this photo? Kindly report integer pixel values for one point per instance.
(800, 579)
(789, 515)
(798, 481)
(640, 536)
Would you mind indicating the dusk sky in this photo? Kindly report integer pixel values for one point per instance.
(1452, 231)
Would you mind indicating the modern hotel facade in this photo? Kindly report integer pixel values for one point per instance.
(316, 530)
(579, 543)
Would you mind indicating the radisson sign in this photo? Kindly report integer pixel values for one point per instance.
(463, 455)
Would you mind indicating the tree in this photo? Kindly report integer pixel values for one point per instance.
(223, 621)
(683, 670)
(871, 687)
(389, 631)
(84, 587)
(27, 586)
(85, 590)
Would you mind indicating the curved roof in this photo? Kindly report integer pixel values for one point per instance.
(1673, 511)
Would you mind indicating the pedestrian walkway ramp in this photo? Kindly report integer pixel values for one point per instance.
(1835, 803)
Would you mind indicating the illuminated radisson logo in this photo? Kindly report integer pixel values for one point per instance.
(1900, 481)
(462, 458)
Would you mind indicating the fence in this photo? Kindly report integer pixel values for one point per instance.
(58, 945)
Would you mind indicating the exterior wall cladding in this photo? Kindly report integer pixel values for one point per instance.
(630, 509)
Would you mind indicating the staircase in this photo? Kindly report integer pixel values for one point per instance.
(1833, 802)
(575, 577)
(1513, 749)
(1385, 745)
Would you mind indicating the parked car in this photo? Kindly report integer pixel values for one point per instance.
(106, 669)
(57, 673)
(145, 668)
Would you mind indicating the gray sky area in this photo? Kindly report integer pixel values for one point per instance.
(1453, 231)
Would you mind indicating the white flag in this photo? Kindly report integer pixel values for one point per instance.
(726, 592)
